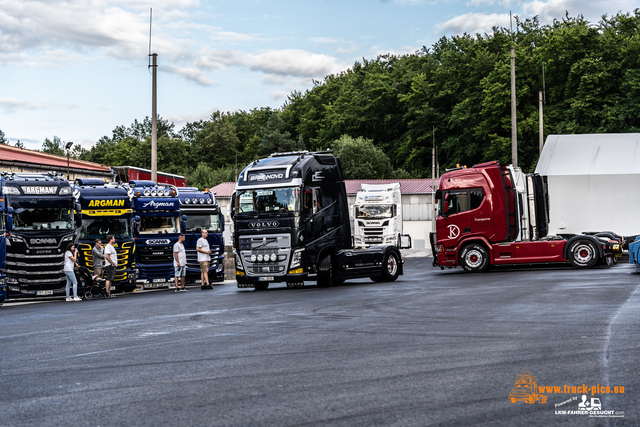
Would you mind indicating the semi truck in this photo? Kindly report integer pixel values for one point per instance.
(38, 210)
(3, 249)
(106, 210)
(132, 173)
(377, 215)
(200, 211)
(492, 215)
(291, 224)
(156, 211)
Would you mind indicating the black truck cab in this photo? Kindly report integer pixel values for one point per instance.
(291, 224)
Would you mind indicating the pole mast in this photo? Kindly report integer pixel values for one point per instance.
(154, 107)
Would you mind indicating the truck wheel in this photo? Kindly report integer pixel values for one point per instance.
(262, 286)
(583, 253)
(390, 268)
(474, 258)
(543, 398)
(325, 272)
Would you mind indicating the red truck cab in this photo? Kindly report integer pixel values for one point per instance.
(493, 214)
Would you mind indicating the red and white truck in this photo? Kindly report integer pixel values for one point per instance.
(492, 215)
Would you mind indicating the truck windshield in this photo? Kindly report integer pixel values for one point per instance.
(100, 228)
(375, 211)
(196, 223)
(33, 215)
(275, 200)
(158, 225)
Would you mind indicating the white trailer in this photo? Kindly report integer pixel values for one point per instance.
(378, 215)
(592, 182)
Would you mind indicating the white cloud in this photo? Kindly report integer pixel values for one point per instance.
(285, 62)
(193, 74)
(278, 94)
(382, 50)
(408, 2)
(12, 105)
(474, 23)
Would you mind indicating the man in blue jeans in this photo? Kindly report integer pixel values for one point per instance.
(180, 262)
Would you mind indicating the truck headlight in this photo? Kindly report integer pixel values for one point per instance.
(296, 259)
(238, 261)
(65, 191)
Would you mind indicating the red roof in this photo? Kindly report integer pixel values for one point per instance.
(407, 186)
(224, 190)
(23, 155)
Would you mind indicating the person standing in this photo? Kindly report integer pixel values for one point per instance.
(98, 258)
(111, 258)
(70, 261)
(180, 262)
(204, 258)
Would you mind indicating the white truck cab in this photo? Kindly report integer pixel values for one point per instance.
(378, 215)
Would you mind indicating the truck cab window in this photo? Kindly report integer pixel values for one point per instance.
(477, 196)
(312, 201)
(456, 202)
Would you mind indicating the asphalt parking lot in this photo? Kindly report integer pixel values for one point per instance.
(435, 347)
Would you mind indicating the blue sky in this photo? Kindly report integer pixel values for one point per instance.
(76, 69)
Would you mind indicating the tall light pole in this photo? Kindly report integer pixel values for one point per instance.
(514, 118)
(68, 148)
(154, 108)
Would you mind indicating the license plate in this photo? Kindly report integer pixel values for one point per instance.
(160, 280)
(44, 292)
(266, 279)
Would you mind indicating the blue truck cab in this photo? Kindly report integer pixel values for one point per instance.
(4, 215)
(157, 226)
(202, 212)
(106, 210)
(38, 211)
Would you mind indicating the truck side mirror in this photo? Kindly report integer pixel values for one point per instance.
(9, 218)
(78, 215)
(232, 206)
(136, 225)
(405, 241)
(221, 223)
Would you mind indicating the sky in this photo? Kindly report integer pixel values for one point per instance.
(77, 69)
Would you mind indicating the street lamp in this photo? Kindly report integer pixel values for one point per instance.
(68, 148)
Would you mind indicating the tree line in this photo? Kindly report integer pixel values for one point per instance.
(381, 116)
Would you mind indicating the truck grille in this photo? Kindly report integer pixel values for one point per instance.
(373, 235)
(266, 246)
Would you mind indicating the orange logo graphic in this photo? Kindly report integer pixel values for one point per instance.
(526, 390)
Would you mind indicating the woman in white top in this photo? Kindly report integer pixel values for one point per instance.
(70, 259)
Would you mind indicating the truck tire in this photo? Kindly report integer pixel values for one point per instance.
(390, 267)
(325, 272)
(583, 253)
(474, 257)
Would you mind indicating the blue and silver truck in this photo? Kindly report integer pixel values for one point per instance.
(106, 210)
(3, 249)
(200, 211)
(157, 226)
(40, 222)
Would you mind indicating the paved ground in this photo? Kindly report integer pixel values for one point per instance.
(434, 348)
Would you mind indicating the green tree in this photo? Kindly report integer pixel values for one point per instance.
(215, 144)
(53, 147)
(3, 140)
(19, 144)
(274, 138)
(361, 159)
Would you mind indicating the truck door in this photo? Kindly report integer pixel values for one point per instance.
(455, 220)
